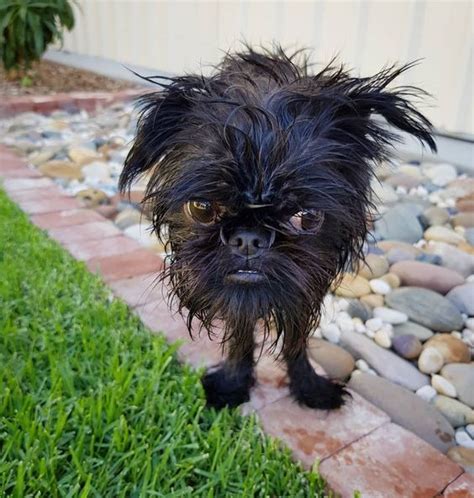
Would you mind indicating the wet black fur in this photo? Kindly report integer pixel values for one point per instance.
(263, 130)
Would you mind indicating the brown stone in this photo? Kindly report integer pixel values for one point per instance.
(353, 286)
(465, 458)
(107, 211)
(387, 245)
(336, 362)
(373, 300)
(451, 348)
(463, 219)
(374, 266)
(92, 197)
(419, 274)
(61, 169)
(392, 279)
(465, 204)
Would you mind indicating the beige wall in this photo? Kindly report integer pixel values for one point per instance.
(174, 36)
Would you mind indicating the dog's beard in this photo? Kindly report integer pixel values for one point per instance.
(286, 302)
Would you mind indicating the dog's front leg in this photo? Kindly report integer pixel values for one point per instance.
(311, 389)
(229, 384)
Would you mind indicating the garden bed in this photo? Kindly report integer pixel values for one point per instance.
(50, 78)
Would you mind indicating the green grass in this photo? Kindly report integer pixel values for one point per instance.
(91, 404)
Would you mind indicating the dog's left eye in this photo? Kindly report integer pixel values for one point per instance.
(203, 212)
(307, 220)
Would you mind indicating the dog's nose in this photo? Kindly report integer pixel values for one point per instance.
(250, 243)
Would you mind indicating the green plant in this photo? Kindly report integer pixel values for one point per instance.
(27, 27)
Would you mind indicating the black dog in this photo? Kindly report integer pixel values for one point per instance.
(262, 174)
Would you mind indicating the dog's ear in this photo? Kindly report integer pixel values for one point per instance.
(370, 98)
(162, 116)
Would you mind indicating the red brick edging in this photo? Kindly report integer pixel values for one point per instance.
(357, 447)
(46, 104)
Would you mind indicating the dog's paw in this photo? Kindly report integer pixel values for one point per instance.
(318, 392)
(226, 387)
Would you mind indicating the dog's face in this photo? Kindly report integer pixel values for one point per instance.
(262, 175)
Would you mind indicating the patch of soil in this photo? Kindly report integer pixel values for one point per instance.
(49, 78)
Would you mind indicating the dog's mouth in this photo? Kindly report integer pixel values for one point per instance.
(245, 277)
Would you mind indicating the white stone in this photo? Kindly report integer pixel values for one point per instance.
(370, 333)
(96, 172)
(331, 332)
(470, 324)
(441, 174)
(341, 303)
(456, 334)
(463, 439)
(470, 430)
(468, 337)
(344, 322)
(383, 193)
(430, 360)
(470, 279)
(427, 393)
(379, 286)
(443, 386)
(382, 338)
(374, 324)
(390, 316)
(328, 310)
(362, 365)
(387, 328)
(359, 326)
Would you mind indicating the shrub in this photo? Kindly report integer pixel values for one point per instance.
(27, 27)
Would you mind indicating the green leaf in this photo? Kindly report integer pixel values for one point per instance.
(28, 26)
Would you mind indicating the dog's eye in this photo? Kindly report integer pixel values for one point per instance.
(308, 220)
(203, 212)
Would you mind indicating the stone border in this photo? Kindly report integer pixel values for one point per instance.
(45, 104)
(357, 447)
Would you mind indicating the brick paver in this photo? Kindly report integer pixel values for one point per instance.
(462, 487)
(126, 265)
(11, 184)
(318, 434)
(29, 195)
(11, 170)
(158, 318)
(49, 205)
(200, 352)
(138, 291)
(67, 218)
(389, 462)
(84, 232)
(101, 248)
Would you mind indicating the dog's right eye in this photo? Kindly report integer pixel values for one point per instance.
(203, 212)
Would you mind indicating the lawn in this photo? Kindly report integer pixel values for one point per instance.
(92, 404)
